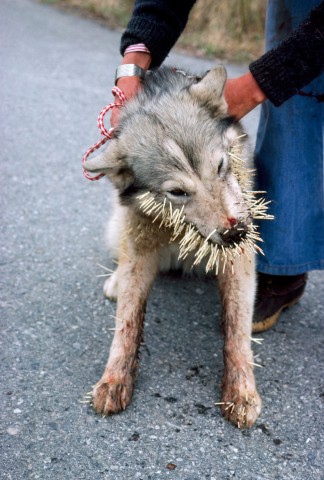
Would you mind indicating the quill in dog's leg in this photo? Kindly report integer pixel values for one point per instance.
(238, 389)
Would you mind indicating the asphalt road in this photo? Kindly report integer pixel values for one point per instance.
(57, 71)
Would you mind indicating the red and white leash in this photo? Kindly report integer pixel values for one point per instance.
(107, 134)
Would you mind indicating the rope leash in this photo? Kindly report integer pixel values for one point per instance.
(107, 134)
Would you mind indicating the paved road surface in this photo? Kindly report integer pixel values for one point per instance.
(57, 70)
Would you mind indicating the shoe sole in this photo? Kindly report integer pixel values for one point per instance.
(269, 322)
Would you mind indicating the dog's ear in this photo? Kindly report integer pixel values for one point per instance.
(209, 90)
(112, 164)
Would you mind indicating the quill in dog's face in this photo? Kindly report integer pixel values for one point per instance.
(178, 148)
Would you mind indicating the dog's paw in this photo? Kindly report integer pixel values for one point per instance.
(242, 409)
(110, 288)
(111, 395)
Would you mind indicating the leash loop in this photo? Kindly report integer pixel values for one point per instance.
(107, 134)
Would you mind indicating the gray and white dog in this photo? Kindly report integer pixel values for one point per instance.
(172, 164)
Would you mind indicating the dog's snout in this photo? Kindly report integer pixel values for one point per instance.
(232, 221)
(234, 234)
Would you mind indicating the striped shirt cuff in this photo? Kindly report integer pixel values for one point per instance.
(138, 47)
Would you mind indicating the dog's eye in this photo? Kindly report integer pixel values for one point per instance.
(220, 166)
(177, 192)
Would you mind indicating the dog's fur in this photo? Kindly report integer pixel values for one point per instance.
(173, 141)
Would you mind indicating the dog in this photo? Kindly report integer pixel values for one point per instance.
(174, 164)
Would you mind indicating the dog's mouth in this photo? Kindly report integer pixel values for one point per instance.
(235, 235)
(216, 248)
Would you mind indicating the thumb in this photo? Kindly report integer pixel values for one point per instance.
(129, 86)
(114, 118)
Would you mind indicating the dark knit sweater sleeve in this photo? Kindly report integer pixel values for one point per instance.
(297, 60)
(158, 24)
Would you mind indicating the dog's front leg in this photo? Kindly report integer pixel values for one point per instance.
(241, 403)
(136, 273)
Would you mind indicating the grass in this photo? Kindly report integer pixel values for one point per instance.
(226, 29)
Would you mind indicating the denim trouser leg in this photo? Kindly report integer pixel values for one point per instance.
(289, 158)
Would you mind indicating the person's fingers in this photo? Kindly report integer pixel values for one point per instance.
(114, 117)
(242, 94)
(129, 86)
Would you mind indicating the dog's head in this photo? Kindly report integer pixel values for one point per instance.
(176, 141)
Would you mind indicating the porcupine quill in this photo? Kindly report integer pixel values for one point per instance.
(174, 219)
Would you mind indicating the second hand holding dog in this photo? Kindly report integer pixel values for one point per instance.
(242, 94)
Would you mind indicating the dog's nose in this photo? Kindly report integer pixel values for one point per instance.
(232, 221)
(234, 234)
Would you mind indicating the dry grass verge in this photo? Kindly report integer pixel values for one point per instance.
(226, 29)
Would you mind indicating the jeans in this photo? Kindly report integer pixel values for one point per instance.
(289, 160)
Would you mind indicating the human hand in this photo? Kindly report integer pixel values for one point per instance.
(130, 85)
(242, 94)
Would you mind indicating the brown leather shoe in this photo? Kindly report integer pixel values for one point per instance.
(274, 294)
